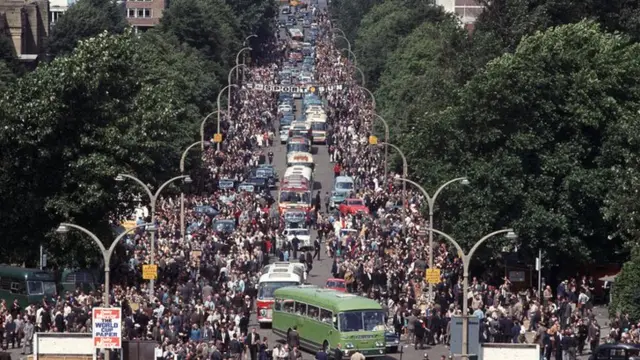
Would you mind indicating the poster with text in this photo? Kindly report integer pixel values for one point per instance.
(107, 328)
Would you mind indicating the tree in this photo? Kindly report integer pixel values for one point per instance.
(625, 296)
(384, 26)
(255, 17)
(540, 133)
(70, 126)
(347, 14)
(420, 75)
(209, 26)
(85, 19)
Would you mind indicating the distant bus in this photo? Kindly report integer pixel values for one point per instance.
(326, 318)
(300, 158)
(267, 285)
(26, 285)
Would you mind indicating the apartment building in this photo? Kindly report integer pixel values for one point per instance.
(144, 14)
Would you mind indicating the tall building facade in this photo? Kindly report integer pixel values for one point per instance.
(144, 14)
(26, 22)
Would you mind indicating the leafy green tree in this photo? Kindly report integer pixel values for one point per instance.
(420, 75)
(625, 296)
(541, 134)
(85, 19)
(6, 77)
(347, 14)
(255, 17)
(209, 26)
(384, 26)
(70, 126)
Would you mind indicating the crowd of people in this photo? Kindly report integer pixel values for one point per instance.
(207, 278)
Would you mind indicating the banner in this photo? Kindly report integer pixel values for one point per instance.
(292, 88)
(107, 329)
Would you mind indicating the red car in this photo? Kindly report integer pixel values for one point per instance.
(353, 206)
(336, 284)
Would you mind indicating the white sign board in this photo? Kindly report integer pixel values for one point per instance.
(107, 328)
(292, 88)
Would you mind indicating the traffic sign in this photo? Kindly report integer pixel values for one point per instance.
(312, 89)
(433, 276)
(150, 272)
(217, 138)
(373, 140)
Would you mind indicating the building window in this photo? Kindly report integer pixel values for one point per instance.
(138, 13)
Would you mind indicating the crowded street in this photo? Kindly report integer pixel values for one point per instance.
(358, 234)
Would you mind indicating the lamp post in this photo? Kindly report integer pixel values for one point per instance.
(229, 89)
(386, 143)
(466, 260)
(339, 30)
(204, 121)
(244, 56)
(355, 59)
(238, 61)
(431, 200)
(373, 98)
(228, 112)
(405, 170)
(182, 160)
(64, 228)
(361, 75)
(153, 198)
(345, 39)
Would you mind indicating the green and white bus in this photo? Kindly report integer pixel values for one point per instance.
(325, 318)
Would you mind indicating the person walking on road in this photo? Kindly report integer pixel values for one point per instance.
(316, 249)
(293, 339)
(327, 201)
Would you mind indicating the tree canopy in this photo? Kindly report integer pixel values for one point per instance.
(85, 19)
(383, 27)
(542, 134)
(71, 126)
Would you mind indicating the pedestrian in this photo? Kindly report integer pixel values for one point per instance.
(316, 247)
(29, 330)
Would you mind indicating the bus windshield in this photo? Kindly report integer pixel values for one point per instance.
(41, 288)
(265, 290)
(344, 185)
(366, 320)
(319, 126)
(295, 196)
(298, 147)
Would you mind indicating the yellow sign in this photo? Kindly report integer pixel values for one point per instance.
(217, 138)
(373, 140)
(312, 89)
(149, 272)
(433, 276)
(129, 224)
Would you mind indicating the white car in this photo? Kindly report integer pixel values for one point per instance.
(284, 136)
(285, 108)
(304, 235)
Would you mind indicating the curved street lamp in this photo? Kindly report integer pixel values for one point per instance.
(431, 200)
(153, 198)
(345, 39)
(405, 169)
(466, 260)
(64, 228)
(238, 61)
(355, 59)
(386, 142)
(228, 112)
(183, 158)
(204, 121)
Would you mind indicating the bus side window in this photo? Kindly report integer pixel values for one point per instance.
(287, 306)
(278, 305)
(326, 316)
(313, 312)
(301, 308)
(18, 288)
